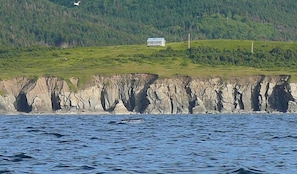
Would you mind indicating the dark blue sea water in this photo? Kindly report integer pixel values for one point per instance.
(260, 143)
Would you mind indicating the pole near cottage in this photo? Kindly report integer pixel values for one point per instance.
(189, 41)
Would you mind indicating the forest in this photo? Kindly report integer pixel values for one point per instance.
(124, 22)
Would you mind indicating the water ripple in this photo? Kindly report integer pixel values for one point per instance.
(234, 144)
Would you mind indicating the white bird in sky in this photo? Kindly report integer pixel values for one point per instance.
(76, 3)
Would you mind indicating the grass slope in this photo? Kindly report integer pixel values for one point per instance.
(84, 62)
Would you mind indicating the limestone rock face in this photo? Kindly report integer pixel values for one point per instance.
(168, 96)
(292, 104)
(148, 94)
(10, 89)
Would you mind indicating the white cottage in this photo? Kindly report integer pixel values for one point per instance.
(156, 42)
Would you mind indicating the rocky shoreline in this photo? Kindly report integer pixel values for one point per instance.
(149, 94)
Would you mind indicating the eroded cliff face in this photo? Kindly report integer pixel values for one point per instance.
(149, 94)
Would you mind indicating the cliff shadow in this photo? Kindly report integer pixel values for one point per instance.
(256, 98)
(55, 102)
(280, 97)
(141, 100)
(21, 103)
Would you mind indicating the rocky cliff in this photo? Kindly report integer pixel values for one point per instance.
(149, 94)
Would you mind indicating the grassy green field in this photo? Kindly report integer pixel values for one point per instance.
(83, 62)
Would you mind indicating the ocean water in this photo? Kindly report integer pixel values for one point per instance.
(215, 143)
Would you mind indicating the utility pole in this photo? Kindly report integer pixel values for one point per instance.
(189, 41)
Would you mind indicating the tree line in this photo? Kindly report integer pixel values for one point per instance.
(115, 22)
(274, 58)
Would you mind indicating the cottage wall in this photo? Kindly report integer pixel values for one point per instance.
(156, 42)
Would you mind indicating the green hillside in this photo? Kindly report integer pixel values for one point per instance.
(206, 58)
(125, 22)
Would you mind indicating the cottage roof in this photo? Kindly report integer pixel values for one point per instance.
(155, 39)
